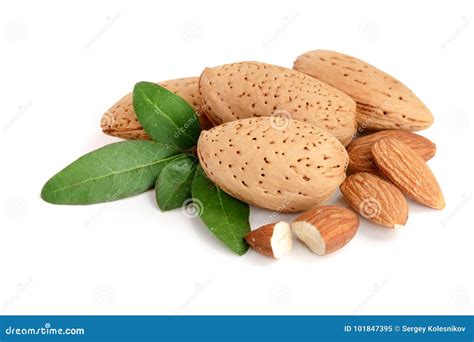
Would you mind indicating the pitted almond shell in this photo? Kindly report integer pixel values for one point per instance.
(383, 102)
(284, 169)
(120, 120)
(252, 89)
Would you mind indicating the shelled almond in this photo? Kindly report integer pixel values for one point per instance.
(408, 171)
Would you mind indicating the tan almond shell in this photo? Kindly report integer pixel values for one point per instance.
(408, 171)
(120, 120)
(252, 89)
(261, 239)
(336, 225)
(360, 155)
(282, 169)
(375, 199)
(382, 101)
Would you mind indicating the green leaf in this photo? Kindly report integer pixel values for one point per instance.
(226, 217)
(110, 173)
(165, 116)
(173, 186)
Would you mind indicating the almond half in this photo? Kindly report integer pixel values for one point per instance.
(408, 171)
(375, 199)
(273, 240)
(360, 155)
(326, 229)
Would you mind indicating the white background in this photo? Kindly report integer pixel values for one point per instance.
(63, 63)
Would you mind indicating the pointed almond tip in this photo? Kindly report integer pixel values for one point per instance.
(440, 205)
(408, 171)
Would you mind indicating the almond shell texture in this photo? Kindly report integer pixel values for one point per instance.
(120, 120)
(252, 89)
(383, 102)
(287, 169)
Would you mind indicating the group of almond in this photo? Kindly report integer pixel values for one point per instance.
(284, 139)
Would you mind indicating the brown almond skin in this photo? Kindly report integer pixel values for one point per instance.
(120, 120)
(383, 102)
(375, 199)
(260, 239)
(336, 225)
(360, 155)
(408, 171)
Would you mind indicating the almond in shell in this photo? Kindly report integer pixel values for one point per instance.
(383, 102)
(252, 89)
(120, 120)
(282, 169)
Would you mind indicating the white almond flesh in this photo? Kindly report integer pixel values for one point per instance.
(310, 235)
(281, 240)
(325, 229)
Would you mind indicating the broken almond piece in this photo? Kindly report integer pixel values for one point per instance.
(273, 240)
(325, 229)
